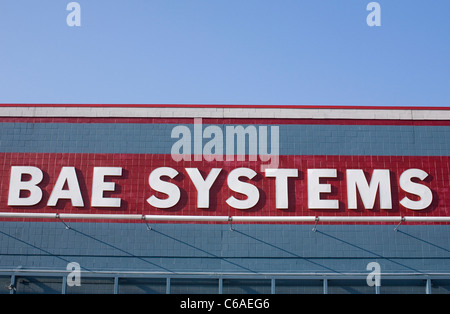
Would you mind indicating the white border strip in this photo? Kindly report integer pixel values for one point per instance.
(150, 218)
(212, 112)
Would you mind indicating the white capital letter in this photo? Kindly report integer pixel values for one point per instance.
(425, 194)
(281, 184)
(16, 185)
(99, 186)
(73, 192)
(357, 180)
(245, 188)
(203, 186)
(168, 188)
(315, 188)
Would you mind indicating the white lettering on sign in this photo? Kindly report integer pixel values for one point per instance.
(168, 188)
(315, 188)
(245, 188)
(67, 175)
(281, 185)
(356, 180)
(25, 190)
(17, 185)
(422, 191)
(203, 185)
(73, 191)
(99, 186)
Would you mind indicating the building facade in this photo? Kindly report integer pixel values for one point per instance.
(224, 199)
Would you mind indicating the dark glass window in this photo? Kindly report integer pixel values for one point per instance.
(350, 286)
(298, 286)
(194, 286)
(246, 286)
(38, 285)
(440, 286)
(92, 286)
(142, 285)
(403, 286)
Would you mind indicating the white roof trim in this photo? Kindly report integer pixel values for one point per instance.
(224, 112)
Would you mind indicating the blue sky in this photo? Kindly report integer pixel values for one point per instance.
(238, 52)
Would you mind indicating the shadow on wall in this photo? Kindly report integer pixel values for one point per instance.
(269, 255)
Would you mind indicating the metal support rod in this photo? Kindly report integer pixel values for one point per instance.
(220, 285)
(168, 285)
(116, 285)
(377, 289)
(12, 285)
(67, 226)
(428, 286)
(64, 285)
(401, 220)
(145, 220)
(230, 219)
(315, 224)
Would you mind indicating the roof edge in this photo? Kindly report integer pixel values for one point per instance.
(353, 107)
(226, 111)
